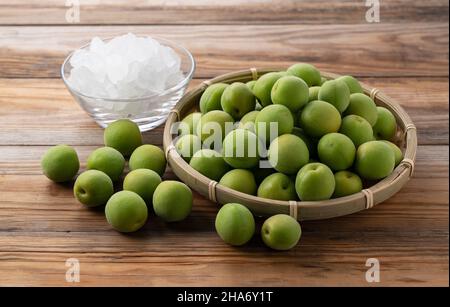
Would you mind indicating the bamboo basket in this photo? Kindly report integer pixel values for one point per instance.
(301, 210)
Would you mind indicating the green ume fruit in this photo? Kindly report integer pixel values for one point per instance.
(235, 224)
(248, 121)
(307, 72)
(363, 106)
(352, 83)
(385, 126)
(315, 181)
(123, 135)
(60, 163)
(148, 156)
(374, 160)
(210, 163)
(214, 126)
(357, 129)
(274, 115)
(187, 145)
(241, 149)
(126, 211)
(251, 84)
(143, 182)
(281, 232)
(172, 201)
(93, 188)
(241, 180)
(189, 124)
(347, 183)
(337, 151)
(211, 97)
(237, 100)
(335, 92)
(263, 87)
(397, 152)
(277, 186)
(313, 93)
(319, 118)
(288, 153)
(108, 160)
(291, 92)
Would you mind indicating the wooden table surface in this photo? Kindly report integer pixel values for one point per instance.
(42, 225)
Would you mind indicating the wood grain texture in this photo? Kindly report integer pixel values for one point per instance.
(42, 112)
(219, 12)
(420, 49)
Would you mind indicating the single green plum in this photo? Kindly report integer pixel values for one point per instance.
(337, 93)
(235, 224)
(288, 153)
(307, 72)
(291, 92)
(123, 135)
(210, 163)
(93, 188)
(363, 105)
(337, 151)
(314, 181)
(60, 163)
(237, 100)
(143, 182)
(319, 118)
(273, 121)
(374, 160)
(108, 160)
(214, 126)
(397, 152)
(211, 97)
(241, 149)
(277, 186)
(172, 201)
(187, 145)
(357, 129)
(148, 156)
(126, 211)
(347, 183)
(281, 232)
(385, 126)
(263, 87)
(352, 83)
(241, 180)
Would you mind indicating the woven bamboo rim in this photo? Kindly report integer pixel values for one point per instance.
(301, 210)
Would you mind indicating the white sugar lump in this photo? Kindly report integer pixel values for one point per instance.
(124, 67)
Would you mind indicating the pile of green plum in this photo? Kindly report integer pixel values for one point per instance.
(330, 136)
(126, 210)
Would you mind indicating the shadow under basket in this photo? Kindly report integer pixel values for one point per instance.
(406, 139)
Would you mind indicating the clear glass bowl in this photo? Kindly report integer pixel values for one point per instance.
(149, 111)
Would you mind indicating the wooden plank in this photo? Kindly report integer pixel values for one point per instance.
(419, 49)
(21, 12)
(30, 202)
(42, 112)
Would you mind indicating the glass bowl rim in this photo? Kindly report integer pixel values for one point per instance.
(165, 92)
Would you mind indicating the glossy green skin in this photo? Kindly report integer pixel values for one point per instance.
(214, 125)
(251, 84)
(148, 156)
(310, 142)
(315, 181)
(142, 182)
(278, 114)
(374, 160)
(210, 163)
(347, 183)
(241, 180)
(248, 121)
(189, 124)
(211, 97)
(235, 224)
(385, 126)
(237, 100)
(363, 106)
(337, 151)
(357, 129)
(398, 155)
(93, 188)
(352, 84)
(307, 72)
(60, 163)
(335, 92)
(281, 232)
(319, 118)
(126, 211)
(313, 93)
(241, 149)
(108, 160)
(288, 153)
(172, 201)
(263, 87)
(188, 145)
(291, 92)
(123, 135)
(277, 186)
